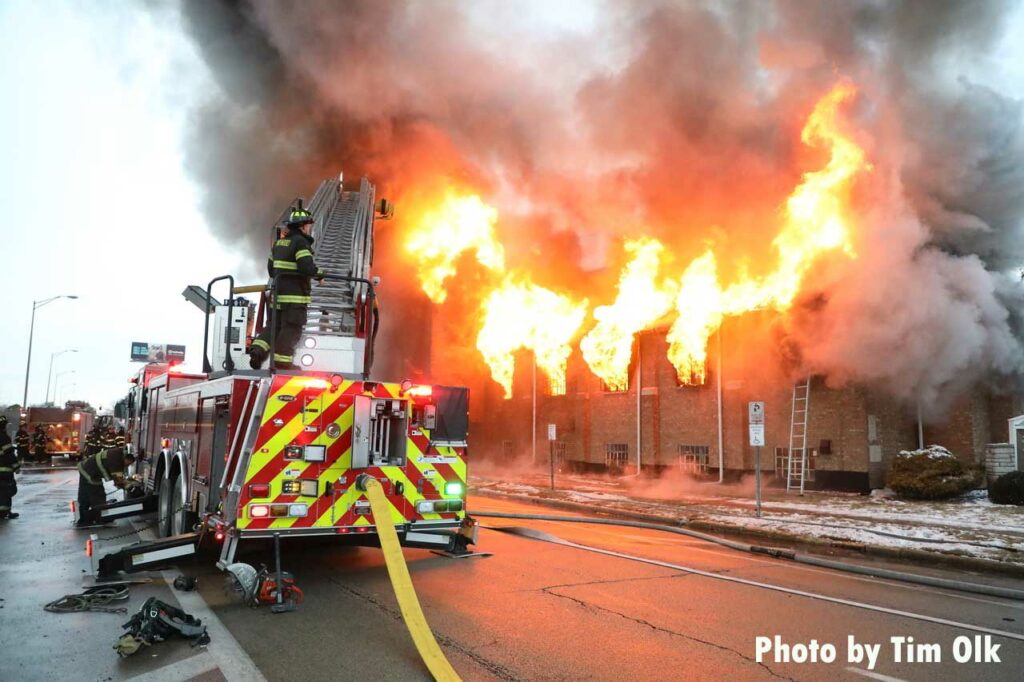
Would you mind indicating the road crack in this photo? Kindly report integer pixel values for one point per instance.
(493, 667)
(595, 608)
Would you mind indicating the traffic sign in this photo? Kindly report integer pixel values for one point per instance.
(552, 432)
(756, 412)
(757, 435)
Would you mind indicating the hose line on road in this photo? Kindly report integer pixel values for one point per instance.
(92, 599)
(780, 553)
(409, 604)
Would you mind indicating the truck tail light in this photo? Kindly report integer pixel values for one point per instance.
(259, 511)
(259, 490)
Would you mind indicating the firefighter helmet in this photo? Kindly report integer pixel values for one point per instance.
(300, 217)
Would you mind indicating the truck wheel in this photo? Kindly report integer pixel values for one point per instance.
(181, 518)
(164, 508)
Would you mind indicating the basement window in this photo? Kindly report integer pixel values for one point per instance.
(693, 459)
(507, 449)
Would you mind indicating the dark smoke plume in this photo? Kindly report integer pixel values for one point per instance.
(675, 119)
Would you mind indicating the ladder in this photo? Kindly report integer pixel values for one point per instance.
(343, 244)
(796, 460)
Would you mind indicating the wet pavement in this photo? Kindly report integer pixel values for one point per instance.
(42, 558)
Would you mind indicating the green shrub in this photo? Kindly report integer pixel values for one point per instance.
(930, 474)
(1008, 489)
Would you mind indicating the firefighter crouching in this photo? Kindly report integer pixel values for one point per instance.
(292, 255)
(106, 465)
(8, 467)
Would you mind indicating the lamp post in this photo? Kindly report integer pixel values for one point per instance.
(31, 331)
(65, 389)
(49, 376)
(56, 383)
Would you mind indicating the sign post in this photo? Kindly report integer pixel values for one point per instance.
(552, 437)
(756, 421)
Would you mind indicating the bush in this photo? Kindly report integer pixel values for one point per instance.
(931, 474)
(1008, 489)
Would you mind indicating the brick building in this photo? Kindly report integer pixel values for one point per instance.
(852, 431)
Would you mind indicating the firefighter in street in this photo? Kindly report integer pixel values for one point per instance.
(92, 442)
(109, 438)
(106, 465)
(292, 254)
(39, 444)
(8, 467)
(21, 441)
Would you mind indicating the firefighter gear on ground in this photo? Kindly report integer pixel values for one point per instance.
(8, 467)
(105, 465)
(157, 621)
(291, 257)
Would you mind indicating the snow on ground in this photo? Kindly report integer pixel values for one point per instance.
(969, 526)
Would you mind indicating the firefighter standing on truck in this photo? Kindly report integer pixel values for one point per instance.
(106, 465)
(8, 467)
(292, 255)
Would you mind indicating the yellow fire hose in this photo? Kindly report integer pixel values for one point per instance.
(429, 650)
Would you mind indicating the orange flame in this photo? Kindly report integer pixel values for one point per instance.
(521, 315)
(608, 347)
(816, 222)
(440, 235)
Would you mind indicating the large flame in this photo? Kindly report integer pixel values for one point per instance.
(460, 222)
(521, 315)
(816, 221)
(641, 302)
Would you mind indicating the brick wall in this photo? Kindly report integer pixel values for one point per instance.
(855, 420)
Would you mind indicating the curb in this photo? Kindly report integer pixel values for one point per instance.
(917, 556)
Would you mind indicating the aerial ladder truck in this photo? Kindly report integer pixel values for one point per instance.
(233, 454)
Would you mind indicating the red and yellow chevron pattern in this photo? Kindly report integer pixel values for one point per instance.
(298, 412)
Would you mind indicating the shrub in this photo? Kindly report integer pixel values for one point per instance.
(1008, 489)
(930, 474)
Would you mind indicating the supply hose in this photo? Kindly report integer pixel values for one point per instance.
(781, 553)
(409, 604)
(92, 599)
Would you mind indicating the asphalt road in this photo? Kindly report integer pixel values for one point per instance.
(532, 610)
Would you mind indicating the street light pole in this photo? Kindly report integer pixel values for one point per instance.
(56, 384)
(49, 376)
(31, 332)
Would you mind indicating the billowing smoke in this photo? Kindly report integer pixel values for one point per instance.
(680, 120)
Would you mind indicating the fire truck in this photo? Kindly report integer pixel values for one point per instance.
(236, 454)
(65, 427)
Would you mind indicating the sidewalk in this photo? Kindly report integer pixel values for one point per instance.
(971, 532)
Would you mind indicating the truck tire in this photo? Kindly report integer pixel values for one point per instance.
(181, 520)
(164, 508)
